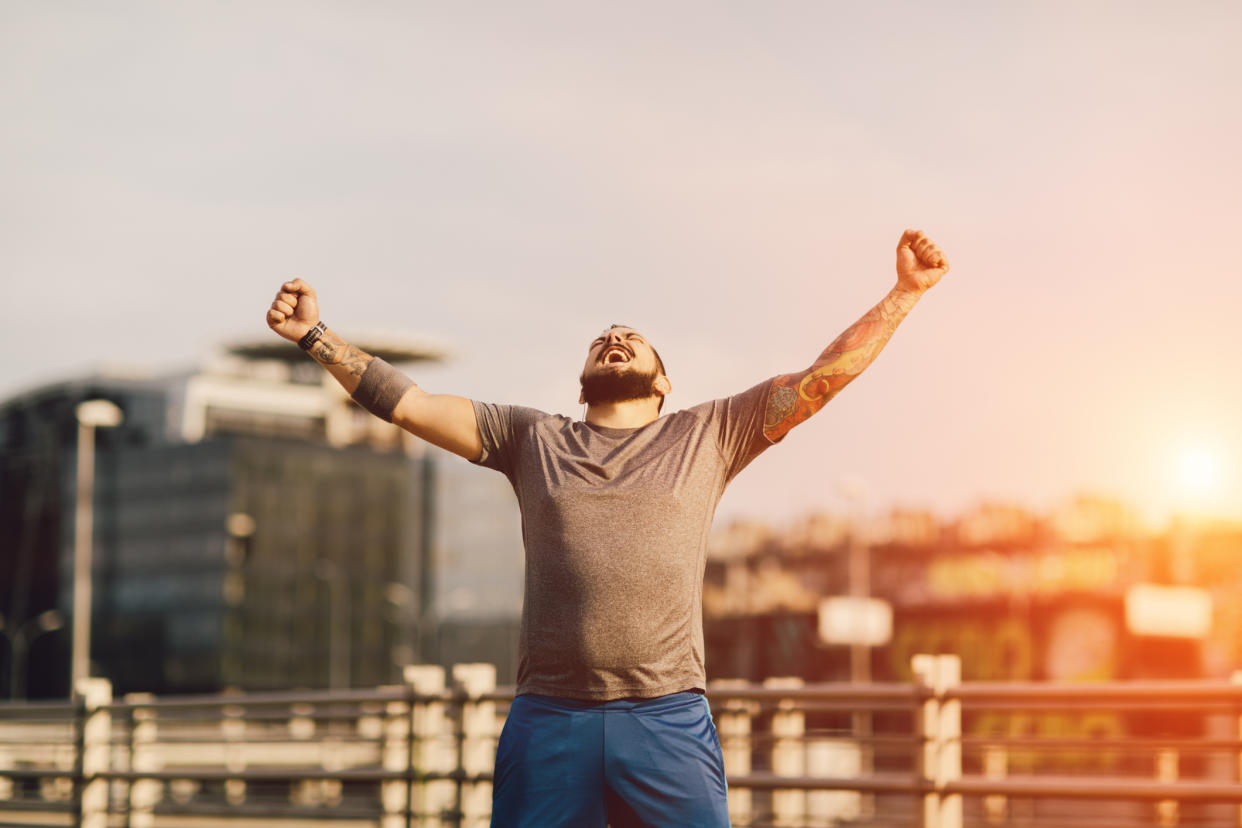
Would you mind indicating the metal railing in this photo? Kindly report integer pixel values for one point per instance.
(933, 752)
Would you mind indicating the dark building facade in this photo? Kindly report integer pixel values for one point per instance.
(253, 529)
(38, 434)
(257, 563)
(234, 561)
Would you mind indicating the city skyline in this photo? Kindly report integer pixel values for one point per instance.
(729, 181)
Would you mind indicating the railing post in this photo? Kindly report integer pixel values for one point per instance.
(733, 724)
(927, 730)
(395, 757)
(951, 815)
(433, 749)
(143, 757)
(940, 727)
(233, 733)
(788, 753)
(842, 759)
(302, 727)
(6, 783)
(94, 694)
(478, 740)
(1236, 678)
(996, 766)
(1166, 771)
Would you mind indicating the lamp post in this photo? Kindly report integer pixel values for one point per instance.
(20, 641)
(854, 490)
(406, 619)
(239, 528)
(91, 415)
(339, 627)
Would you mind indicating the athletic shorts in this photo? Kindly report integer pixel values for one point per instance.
(563, 763)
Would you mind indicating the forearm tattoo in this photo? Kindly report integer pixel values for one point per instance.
(332, 350)
(793, 398)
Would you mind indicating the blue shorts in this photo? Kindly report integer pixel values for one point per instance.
(585, 764)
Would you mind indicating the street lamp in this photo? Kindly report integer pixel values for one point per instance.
(91, 415)
(339, 626)
(854, 490)
(20, 641)
(240, 528)
(407, 618)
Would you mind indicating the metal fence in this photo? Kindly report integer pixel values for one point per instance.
(933, 752)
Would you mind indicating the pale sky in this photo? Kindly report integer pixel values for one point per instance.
(729, 178)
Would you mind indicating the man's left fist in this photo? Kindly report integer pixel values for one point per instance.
(920, 263)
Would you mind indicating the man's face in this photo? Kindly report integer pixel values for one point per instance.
(620, 366)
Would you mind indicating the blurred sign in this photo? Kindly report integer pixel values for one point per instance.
(990, 574)
(848, 620)
(1177, 611)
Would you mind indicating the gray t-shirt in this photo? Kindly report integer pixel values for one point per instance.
(615, 524)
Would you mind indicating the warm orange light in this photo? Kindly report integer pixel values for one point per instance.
(1198, 472)
(1178, 611)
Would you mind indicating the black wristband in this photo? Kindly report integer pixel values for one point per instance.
(312, 336)
(381, 388)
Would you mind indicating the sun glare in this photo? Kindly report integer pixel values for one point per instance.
(1198, 471)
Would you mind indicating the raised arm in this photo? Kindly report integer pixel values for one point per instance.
(440, 419)
(793, 398)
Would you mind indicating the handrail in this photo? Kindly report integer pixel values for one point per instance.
(1148, 692)
(420, 753)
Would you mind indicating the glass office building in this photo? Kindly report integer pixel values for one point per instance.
(252, 529)
(255, 563)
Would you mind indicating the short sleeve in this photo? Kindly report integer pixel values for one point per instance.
(501, 428)
(740, 426)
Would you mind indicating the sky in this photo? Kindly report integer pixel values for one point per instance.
(507, 179)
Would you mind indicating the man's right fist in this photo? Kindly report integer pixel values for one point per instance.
(294, 311)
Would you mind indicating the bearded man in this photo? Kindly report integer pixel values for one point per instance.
(609, 725)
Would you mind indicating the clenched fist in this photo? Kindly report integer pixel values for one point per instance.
(294, 311)
(920, 263)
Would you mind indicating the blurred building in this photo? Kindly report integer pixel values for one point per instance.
(252, 528)
(1081, 593)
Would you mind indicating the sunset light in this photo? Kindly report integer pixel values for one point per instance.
(586, 414)
(1198, 472)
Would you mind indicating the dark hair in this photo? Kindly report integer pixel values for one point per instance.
(659, 362)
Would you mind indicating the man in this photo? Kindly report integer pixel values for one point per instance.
(609, 725)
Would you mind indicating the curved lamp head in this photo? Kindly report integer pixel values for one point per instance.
(99, 413)
(50, 621)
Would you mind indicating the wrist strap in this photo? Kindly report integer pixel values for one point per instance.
(312, 336)
(381, 388)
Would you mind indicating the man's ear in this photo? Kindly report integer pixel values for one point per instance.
(581, 398)
(663, 385)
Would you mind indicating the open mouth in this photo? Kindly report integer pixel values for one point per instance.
(615, 355)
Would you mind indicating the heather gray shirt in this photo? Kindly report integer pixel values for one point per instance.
(615, 524)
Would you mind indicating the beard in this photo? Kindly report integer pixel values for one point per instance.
(618, 386)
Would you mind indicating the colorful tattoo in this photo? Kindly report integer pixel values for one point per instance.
(332, 350)
(793, 398)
